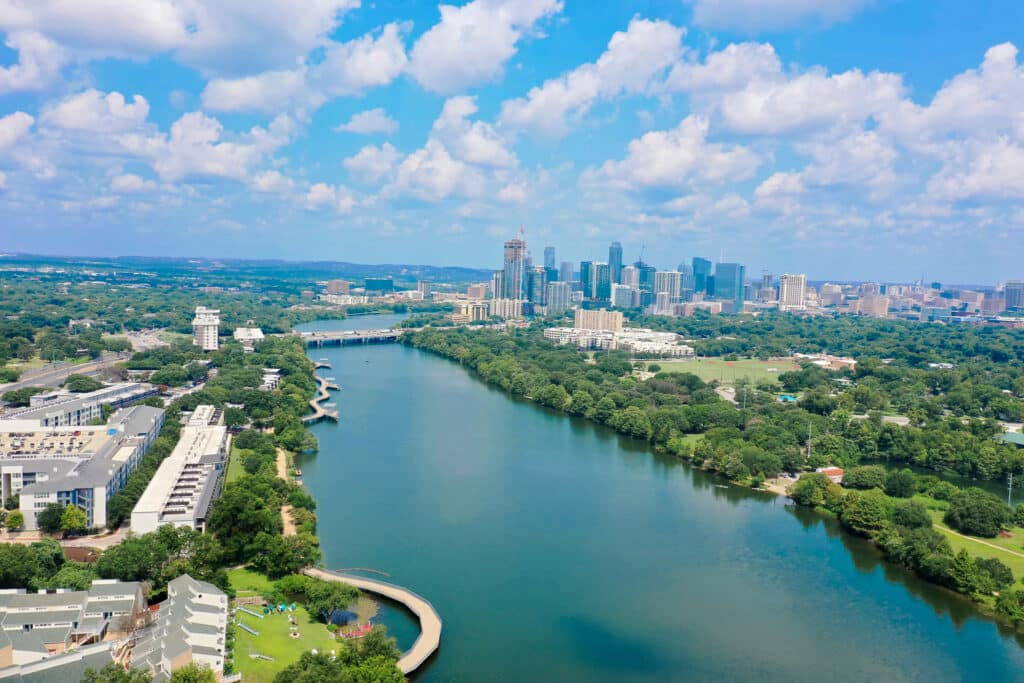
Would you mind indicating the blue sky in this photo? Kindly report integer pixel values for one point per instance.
(848, 139)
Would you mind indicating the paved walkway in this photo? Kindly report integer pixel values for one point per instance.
(430, 623)
(286, 510)
(978, 540)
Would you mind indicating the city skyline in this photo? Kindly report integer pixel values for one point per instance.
(789, 135)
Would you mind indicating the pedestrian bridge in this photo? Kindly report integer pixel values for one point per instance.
(343, 337)
(430, 623)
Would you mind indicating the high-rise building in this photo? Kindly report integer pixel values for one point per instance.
(646, 282)
(624, 296)
(792, 292)
(514, 278)
(424, 287)
(558, 297)
(565, 272)
(766, 280)
(537, 280)
(587, 278)
(206, 328)
(1013, 291)
(602, 281)
(631, 277)
(549, 257)
(686, 277)
(337, 287)
(497, 284)
(598, 320)
(701, 273)
(876, 305)
(729, 280)
(668, 282)
(478, 291)
(615, 262)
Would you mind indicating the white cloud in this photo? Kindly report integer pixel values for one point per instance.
(513, 193)
(472, 43)
(634, 57)
(3, 180)
(673, 158)
(475, 142)
(373, 163)
(753, 15)
(272, 182)
(131, 183)
(369, 122)
(993, 171)
(13, 127)
(322, 195)
(863, 158)
(347, 69)
(432, 174)
(731, 68)
(39, 62)
(96, 112)
(812, 99)
(195, 147)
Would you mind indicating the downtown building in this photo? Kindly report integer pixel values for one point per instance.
(598, 320)
(558, 297)
(206, 328)
(792, 292)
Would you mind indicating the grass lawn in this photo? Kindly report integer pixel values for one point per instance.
(727, 372)
(982, 547)
(235, 469)
(274, 639)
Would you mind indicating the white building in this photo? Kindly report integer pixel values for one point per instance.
(624, 296)
(190, 626)
(249, 337)
(506, 308)
(558, 297)
(63, 408)
(189, 479)
(639, 341)
(206, 328)
(668, 282)
(792, 292)
(631, 277)
(74, 465)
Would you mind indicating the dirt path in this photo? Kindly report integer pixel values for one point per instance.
(978, 540)
(286, 510)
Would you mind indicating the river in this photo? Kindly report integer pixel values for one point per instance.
(556, 550)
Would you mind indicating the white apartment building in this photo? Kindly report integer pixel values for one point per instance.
(206, 328)
(63, 408)
(668, 282)
(248, 337)
(598, 320)
(506, 308)
(189, 479)
(792, 292)
(624, 296)
(638, 341)
(558, 297)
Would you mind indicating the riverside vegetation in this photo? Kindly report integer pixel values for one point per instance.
(953, 421)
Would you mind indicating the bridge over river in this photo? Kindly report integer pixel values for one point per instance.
(342, 337)
(430, 622)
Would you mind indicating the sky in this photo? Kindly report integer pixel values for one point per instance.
(845, 139)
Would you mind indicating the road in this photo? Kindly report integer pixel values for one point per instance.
(54, 374)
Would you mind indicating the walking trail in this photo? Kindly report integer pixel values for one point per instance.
(286, 510)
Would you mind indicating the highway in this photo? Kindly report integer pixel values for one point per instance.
(54, 374)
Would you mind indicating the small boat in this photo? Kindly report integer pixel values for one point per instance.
(298, 472)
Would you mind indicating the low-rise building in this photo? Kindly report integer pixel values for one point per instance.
(598, 320)
(83, 466)
(63, 408)
(188, 627)
(637, 341)
(249, 337)
(189, 479)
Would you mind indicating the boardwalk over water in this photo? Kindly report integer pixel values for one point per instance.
(430, 622)
(322, 395)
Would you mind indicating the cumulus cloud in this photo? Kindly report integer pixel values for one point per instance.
(324, 196)
(39, 62)
(13, 127)
(673, 158)
(476, 142)
(371, 164)
(130, 183)
(990, 171)
(347, 69)
(754, 15)
(731, 68)
(633, 58)
(272, 182)
(96, 112)
(432, 174)
(472, 43)
(369, 122)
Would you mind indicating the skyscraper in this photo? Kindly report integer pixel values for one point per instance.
(792, 290)
(615, 262)
(1014, 292)
(565, 272)
(729, 280)
(701, 273)
(536, 281)
(631, 277)
(668, 282)
(549, 257)
(602, 281)
(685, 277)
(646, 282)
(513, 281)
(587, 278)
(557, 297)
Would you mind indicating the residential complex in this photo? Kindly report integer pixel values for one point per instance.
(637, 341)
(189, 479)
(62, 408)
(598, 320)
(74, 465)
(206, 328)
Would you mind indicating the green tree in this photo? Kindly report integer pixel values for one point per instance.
(50, 517)
(18, 565)
(193, 673)
(82, 384)
(115, 673)
(865, 512)
(15, 520)
(73, 519)
(900, 483)
(865, 477)
(977, 512)
(809, 490)
(278, 556)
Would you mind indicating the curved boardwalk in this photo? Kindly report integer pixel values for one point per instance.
(430, 623)
(322, 394)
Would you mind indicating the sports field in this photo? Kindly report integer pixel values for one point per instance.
(727, 372)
